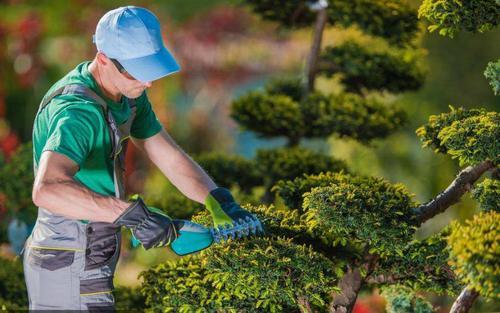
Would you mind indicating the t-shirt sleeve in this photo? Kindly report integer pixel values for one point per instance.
(73, 133)
(146, 123)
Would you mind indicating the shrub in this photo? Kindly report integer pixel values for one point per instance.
(474, 253)
(452, 16)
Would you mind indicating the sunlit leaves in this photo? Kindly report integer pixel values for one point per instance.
(451, 16)
(475, 253)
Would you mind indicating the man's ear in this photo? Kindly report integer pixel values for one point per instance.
(101, 58)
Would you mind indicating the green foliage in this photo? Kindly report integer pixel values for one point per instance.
(289, 163)
(404, 300)
(292, 191)
(291, 87)
(228, 170)
(350, 115)
(16, 184)
(366, 211)
(13, 294)
(268, 115)
(393, 20)
(395, 71)
(427, 260)
(252, 275)
(492, 73)
(487, 193)
(474, 139)
(452, 16)
(475, 253)
(429, 132)
(129, 299)
(274, 114)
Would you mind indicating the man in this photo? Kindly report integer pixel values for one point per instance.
(79, 140)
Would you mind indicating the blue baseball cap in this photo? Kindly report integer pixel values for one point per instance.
(132, 36)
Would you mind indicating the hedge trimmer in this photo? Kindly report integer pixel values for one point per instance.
(194, 237)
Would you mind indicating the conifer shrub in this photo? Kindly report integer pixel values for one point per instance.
(253, 275)
(369, 212)
(421, 265)
(475, 253)
(404, 300)
(451, 16)
(13, 294)
(273, 114)
(392, 20)
(228, 170)
(16, 182)
(360, 68)
(428, 133)
(487, 193)
(288, 163)
(470, 139)
(492, 74)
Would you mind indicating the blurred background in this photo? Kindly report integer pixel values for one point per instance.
(224, 50)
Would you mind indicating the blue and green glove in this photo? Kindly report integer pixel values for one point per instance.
(230, 219)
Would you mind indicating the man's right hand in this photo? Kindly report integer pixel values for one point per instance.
(150, 226)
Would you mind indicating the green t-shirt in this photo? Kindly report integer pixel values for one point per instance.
(75, 127)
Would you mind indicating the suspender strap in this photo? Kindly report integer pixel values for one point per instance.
(119, 135)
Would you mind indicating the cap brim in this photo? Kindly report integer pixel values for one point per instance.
(151, 67)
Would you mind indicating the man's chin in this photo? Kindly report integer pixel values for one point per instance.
(133, 94)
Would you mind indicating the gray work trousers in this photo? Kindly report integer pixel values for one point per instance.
(69, 265)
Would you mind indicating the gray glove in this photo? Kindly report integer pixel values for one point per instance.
(152, 227)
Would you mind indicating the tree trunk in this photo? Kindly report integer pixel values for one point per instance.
(464, 301)
(350, 285)
(312, 61)
(305, 307)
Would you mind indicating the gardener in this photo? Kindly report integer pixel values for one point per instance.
(79, 142)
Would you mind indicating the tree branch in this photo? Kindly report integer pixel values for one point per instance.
(311, 67)
(464, 301)
(462, 184)
(350, 284)
(305, 307)
(387, 278)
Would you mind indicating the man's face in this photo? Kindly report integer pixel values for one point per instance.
(123, 81)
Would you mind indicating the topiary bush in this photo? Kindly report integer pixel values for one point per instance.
(16, 183)
(288, 163)
(369, 212)
(429, 132)
(228, 170)
(255, 275)
(469, 140)
(268, 115)
(404, 300)
(317, 115)
(475, 253)
(492, 74)
(361, 68)
(13, 294)
(349, 115)
(452, 16)
(487, 193)
(427, 260)
(129, 299)
(394, 20)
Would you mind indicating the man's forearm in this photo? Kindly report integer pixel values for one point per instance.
(188, 177)
(177, 166)
(67, 197)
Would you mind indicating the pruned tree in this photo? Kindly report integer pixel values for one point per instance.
(472, 137)
(334, 232)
